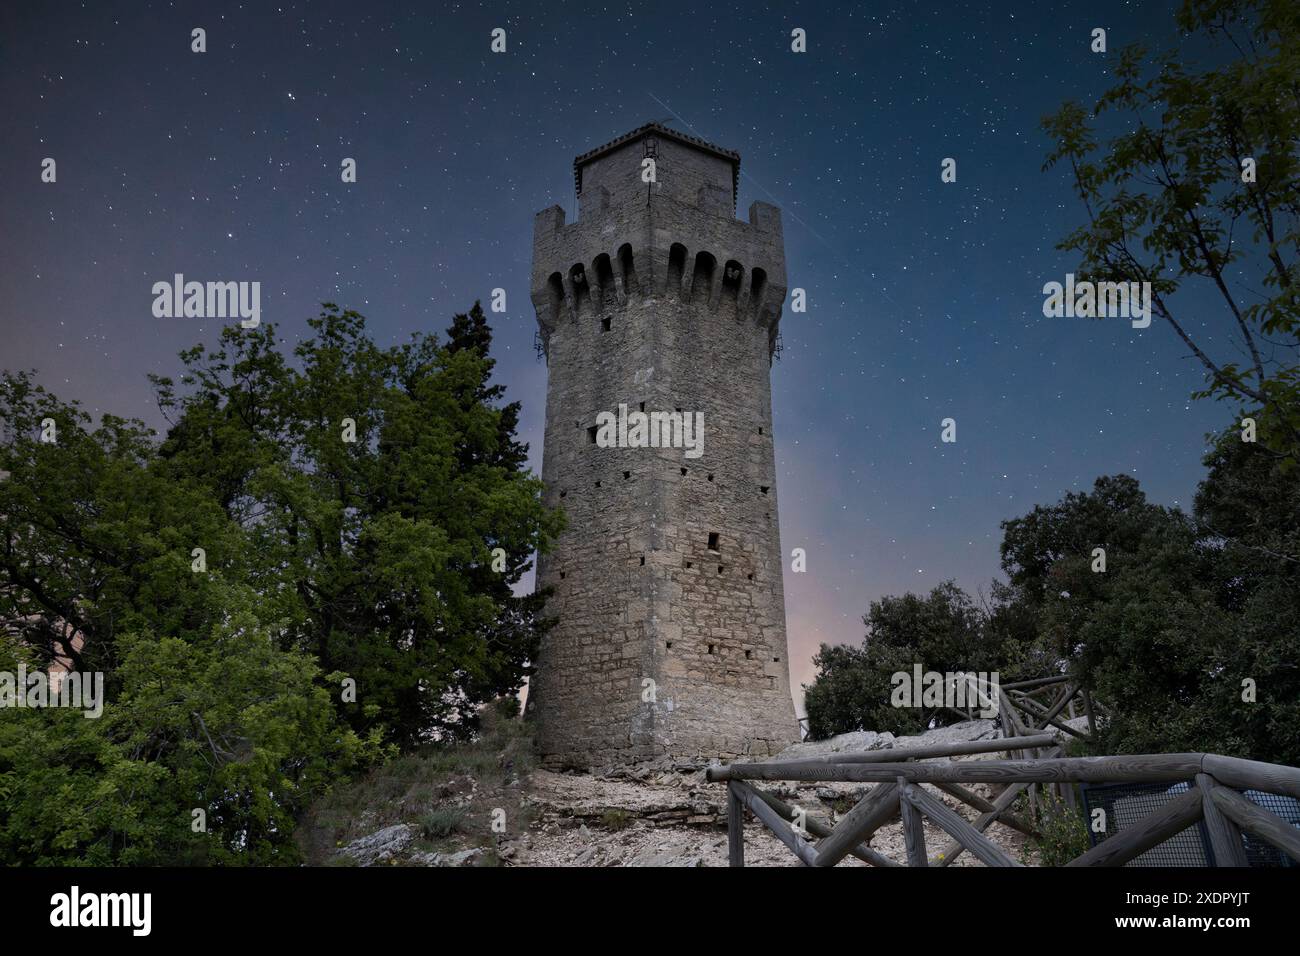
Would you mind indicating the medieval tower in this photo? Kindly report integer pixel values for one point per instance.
(667, 581)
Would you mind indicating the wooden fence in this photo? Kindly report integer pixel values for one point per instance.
(899, 775)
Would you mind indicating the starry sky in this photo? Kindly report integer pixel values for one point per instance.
(924, 298)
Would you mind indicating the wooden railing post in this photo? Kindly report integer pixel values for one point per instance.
(735, 827)
(898, 775)
(871, 813)
(913, 832)
(1257, 821)
(923, 803)
(1225, 838)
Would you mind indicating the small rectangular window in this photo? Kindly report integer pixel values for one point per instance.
(713, 541)
(591, 435)
(606, 323)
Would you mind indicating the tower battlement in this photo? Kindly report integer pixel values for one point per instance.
(677, 235)
(667, 584)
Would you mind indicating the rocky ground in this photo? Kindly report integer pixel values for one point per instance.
(661, 814)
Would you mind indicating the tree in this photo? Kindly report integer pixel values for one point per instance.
(1190, 634)
(1049, 556)
(1199, 187)
(943, 631)
(320, 560)
(386, 496)
(202, 711)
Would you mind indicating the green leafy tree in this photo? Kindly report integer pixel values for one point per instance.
(1192, 615)
(322, 559)
(385, 494)
(201, 711)
(1049, 555)
(1198, 188)
(944, 631)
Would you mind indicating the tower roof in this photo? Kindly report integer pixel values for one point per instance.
(658, 129)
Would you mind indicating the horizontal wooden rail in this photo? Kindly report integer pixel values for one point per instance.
(1254, 775)
(1139, 768)
(1038, 682)
(898, 776)
(892, 754)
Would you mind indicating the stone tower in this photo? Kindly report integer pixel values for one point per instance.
(660, 301)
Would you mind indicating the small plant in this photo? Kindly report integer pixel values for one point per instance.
(615, 820)
(1063, 833)
(442, 822)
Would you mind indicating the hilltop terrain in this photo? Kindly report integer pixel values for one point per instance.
(438, 809)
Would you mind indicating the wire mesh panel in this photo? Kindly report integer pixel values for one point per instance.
(1126, 804)
(1258, 852)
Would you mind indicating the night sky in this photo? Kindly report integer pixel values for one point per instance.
(925, 298)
